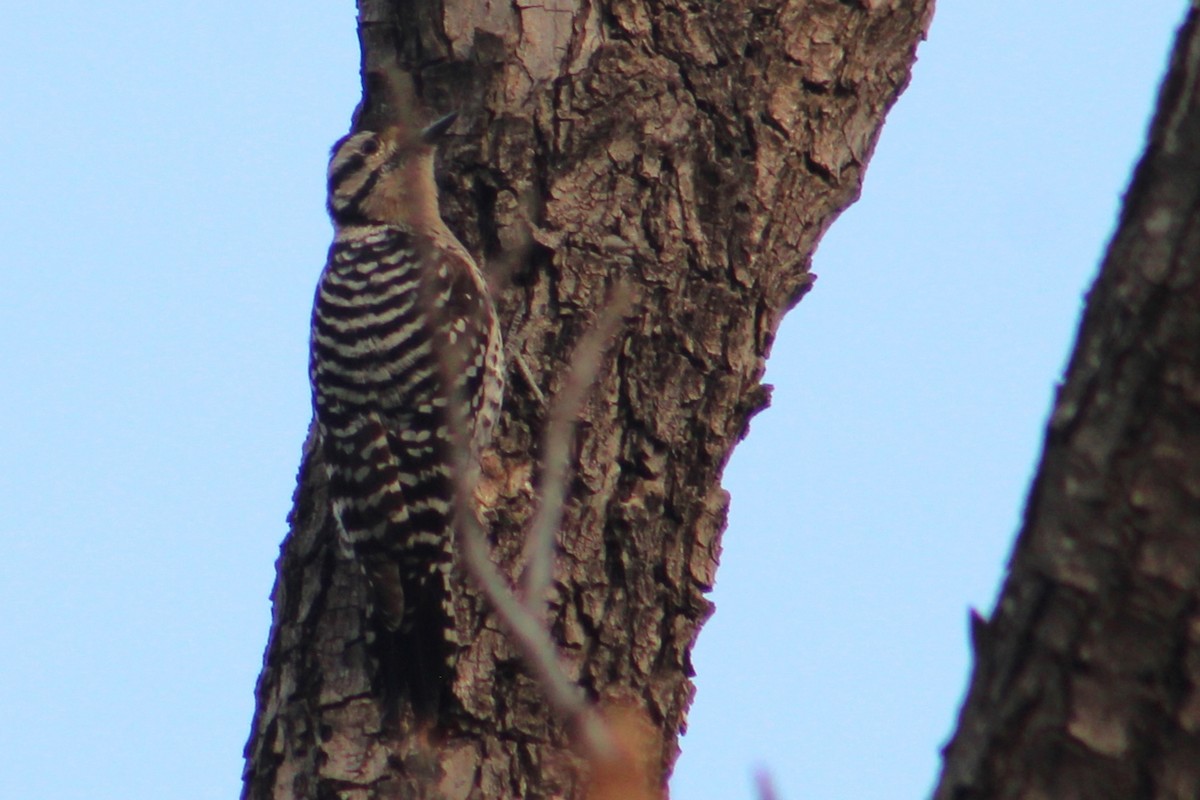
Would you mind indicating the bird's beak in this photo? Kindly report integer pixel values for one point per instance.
(434, 133)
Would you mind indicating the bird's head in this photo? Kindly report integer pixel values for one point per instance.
(385, 176)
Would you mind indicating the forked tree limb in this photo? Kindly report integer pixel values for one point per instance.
(1087, 677)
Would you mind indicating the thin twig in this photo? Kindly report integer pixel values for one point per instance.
(766, 787)
(500, 271)
(530, 636)
(557, 441)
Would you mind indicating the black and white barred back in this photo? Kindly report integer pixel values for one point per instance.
(400, 301)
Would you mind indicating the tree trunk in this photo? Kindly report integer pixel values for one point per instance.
(1087, 678)
(695, 150)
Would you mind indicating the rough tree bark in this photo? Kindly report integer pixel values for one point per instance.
(696, 150)
(1087, 678)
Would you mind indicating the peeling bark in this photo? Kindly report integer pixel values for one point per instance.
(696, 150)
(1087, 679)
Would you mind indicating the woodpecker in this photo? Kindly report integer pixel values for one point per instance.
(402, 326)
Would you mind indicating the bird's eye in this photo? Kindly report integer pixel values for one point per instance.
(370, 147)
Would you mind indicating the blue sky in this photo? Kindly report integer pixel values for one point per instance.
(164, 230)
